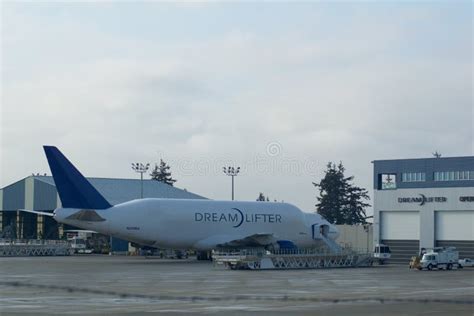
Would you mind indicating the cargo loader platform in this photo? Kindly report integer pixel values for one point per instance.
(261, 259)
(26, 248)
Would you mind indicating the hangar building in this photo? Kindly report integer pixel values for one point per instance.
(424, 203)
(39, 193)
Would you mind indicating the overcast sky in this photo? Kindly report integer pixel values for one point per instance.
(278, 89)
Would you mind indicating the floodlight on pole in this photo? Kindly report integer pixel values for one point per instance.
(232, 172)
(141, 169)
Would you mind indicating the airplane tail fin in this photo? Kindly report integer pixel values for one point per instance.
(73, 188)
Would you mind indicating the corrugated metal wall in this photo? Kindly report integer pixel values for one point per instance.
(14, 196)
(44, 196)
(119, 245)
(356, 236)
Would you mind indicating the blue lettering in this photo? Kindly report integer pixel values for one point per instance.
(197, 217)
(236, 218)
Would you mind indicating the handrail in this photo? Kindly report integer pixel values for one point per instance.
(299, 251)
(32, 242)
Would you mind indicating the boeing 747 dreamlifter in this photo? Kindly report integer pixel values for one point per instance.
(183, 223)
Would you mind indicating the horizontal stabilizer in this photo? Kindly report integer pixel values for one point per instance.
(37, 212)
(86, 215)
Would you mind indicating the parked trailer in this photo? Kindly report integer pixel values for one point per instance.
(440, 258)
(261, 259)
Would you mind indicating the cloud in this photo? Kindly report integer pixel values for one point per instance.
(322, 90)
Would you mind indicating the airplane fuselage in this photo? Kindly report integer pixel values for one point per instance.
(200, 224)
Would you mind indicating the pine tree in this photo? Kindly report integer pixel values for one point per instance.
(162, 173)
(262, 198)
(355, 206)
(339, 201)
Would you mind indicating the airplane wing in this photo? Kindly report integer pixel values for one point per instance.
(233, 241)
(255, 240)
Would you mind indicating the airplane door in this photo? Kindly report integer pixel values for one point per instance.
(324, 230)
(319, 230)
(314, 230)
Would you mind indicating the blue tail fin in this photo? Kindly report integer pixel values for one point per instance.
(74, 190)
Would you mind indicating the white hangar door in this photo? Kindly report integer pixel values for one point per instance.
(455, 228)
(401, 232)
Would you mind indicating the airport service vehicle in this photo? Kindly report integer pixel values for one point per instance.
(415, 263)
(466, 262)
(184, 223)
(79, 245)
(382, 253)
(78, 240)
(440, 258)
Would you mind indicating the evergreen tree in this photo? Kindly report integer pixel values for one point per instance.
(262, 198)
(354, 210)
(339, 201)
(162, 173)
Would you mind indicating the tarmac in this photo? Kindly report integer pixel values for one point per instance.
(119, 285)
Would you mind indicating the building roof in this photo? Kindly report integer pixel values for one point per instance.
(121, 190)
(427, 166)
(429, 159)
(115, 191)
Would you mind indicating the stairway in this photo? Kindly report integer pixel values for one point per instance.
(332, 245)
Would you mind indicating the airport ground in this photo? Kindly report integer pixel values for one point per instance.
(119, 285)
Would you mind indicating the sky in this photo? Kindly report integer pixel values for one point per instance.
(279, 89)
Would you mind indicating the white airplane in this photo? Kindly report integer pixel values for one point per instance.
(183, 223)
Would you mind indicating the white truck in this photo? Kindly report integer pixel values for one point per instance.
(466, 262)
(382, 253)
(78, 240)
(440, 258)
(79, 245)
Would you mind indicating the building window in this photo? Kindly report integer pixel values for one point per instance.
(413, 177)
(388, 181)
(453, 175)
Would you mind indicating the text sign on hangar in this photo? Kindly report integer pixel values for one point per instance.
(466, 198)
(423, 199)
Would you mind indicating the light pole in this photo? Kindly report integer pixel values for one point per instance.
(231, 171)
(141, 169)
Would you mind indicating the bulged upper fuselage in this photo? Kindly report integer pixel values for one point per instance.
(199, 224)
